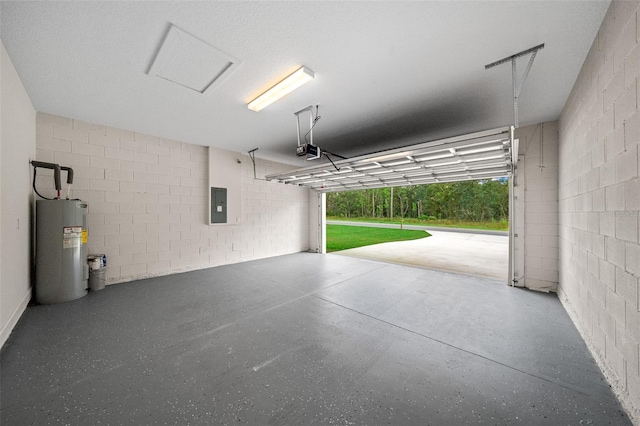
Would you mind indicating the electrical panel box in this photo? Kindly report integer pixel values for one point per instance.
(225, 173)
(218, 205)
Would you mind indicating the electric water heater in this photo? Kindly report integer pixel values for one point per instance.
(62, 272)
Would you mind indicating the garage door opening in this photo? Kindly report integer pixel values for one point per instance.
(462, 227)
(481, 158)
(480, 204)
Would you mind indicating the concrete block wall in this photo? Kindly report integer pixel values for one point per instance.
(275, 217)
(148, 201)
(599, 197)
(538, 173)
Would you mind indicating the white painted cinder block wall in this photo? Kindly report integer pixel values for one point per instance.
(600, 200)
(17, 148)
(148, 201)
(538, 176)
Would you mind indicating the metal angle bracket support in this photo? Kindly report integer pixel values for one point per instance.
(303, 147)
(297, 114)
(517, 85)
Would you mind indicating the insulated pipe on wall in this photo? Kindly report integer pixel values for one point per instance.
(56, 171)
(56, 175)
(69, 171)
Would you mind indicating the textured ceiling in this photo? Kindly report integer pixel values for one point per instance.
(387, 73)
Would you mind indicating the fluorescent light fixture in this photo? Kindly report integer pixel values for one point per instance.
(286, 86)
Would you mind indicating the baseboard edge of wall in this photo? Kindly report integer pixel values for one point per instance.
(13, 319)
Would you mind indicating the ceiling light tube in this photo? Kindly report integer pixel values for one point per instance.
(301, 76)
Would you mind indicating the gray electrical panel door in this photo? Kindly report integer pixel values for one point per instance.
(62, 272)
(218, 205)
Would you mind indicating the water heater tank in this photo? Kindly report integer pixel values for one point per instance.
(61, 256)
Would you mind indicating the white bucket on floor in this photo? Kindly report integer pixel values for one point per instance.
(97, 279)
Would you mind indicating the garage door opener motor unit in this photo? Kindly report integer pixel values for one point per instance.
(61, 236)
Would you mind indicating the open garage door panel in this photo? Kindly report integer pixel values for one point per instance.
(481, 155)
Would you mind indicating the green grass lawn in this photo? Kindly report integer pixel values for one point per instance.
(447, 223)
(342, 237)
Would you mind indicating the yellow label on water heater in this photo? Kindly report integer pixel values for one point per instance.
(85, 235)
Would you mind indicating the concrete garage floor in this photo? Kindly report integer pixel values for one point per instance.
(304, 339)
(459, 252)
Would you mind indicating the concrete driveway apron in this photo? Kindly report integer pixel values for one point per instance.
(457, 252)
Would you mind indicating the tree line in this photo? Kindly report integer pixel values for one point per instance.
(477, 201)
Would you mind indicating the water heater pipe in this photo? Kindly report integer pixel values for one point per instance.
(56, 172)
(69, 171)
(56, 175)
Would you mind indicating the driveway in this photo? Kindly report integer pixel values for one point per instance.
(458, 252)
(417, 227)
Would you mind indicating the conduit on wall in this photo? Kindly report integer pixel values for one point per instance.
(481, 155)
